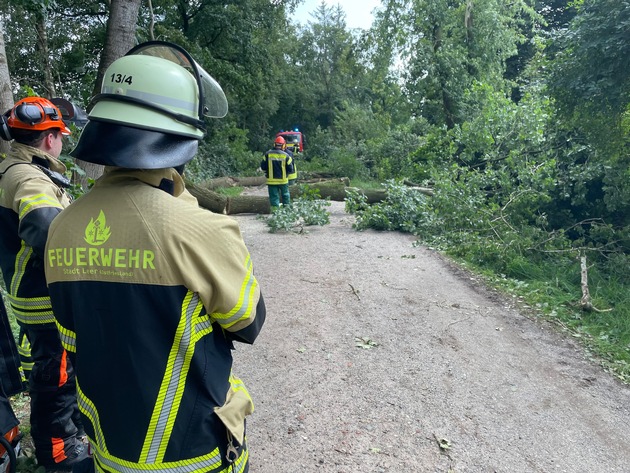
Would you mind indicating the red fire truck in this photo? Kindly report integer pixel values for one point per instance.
(294, 140)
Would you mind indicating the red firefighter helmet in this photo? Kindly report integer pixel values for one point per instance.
(279, 143)
(36, 114)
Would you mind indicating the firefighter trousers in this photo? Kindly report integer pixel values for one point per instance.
(55, 417)
(279, 192)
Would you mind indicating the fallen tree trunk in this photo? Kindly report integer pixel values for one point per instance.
(333, 189)
(248, 204)
(252, 181)
(207, 198)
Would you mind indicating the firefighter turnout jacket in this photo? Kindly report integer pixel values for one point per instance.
(29, 201)
(152, 291)
(277, 165)
(292, 172)
(31, 196)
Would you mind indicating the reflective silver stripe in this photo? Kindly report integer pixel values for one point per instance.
(33, 303)
(203, 464)
(172, 388)
(39, 200)
(89, 410)
(23, 256)
(206, 463)
(68, 338)
(202, 327)
(35, 319)
(168, 102)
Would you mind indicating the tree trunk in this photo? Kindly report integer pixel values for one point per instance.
(6, 96)
(234, 182)
(208, 199)
(42, 47)
(333, 189)
(120, 38)
(248, 204)
(121, 35)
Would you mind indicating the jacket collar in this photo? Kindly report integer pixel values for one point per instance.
(30, 154)
(168, 179)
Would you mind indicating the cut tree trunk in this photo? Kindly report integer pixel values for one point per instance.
(208, 199)
(253, 181)
(248, 204)
(333, 189)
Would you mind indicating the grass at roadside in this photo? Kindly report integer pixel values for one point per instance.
(230, 191)
(554, 291)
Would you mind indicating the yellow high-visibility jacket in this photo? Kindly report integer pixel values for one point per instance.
(152, 291)
(29, 201)
(277, 165)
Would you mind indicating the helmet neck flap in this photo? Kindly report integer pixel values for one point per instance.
(110, 144)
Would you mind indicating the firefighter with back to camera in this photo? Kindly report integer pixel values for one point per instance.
(277, 165)
(153, 289)
(32, 194)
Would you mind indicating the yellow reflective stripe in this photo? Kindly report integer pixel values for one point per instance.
(270, 177)
(29, 303)
(88, 409)
(203, 326)
(203, 464)
(245, 304)
(24, 351)
(45, 317)
(39, 200)
(21, 259)
(68, 338)
(28, 310)
(238, 385)
(32, 310)
(240, 464)
(172, 388)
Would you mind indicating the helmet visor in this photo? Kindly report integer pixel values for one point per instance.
(212, 101)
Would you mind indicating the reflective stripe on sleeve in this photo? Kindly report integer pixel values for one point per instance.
(246, 304)
(68, 338)
(38, 201)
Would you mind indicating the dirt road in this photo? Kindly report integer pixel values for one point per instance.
(448, 377)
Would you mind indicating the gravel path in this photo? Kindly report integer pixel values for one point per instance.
(447, 377)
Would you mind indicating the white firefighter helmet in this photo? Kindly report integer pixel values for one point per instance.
(159, 95)
(158, 86)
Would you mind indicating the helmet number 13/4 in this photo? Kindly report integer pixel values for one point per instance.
(122, 79)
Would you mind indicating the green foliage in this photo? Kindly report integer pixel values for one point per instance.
(307, 210)
(447, 45)
(224, 153)
(402, 209)
(590, 71)
(230, 191)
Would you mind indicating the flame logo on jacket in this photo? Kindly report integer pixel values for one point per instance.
(97, 232)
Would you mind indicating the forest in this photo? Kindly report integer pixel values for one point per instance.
(516, 114)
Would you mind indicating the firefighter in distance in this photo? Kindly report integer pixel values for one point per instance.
(277, 165)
